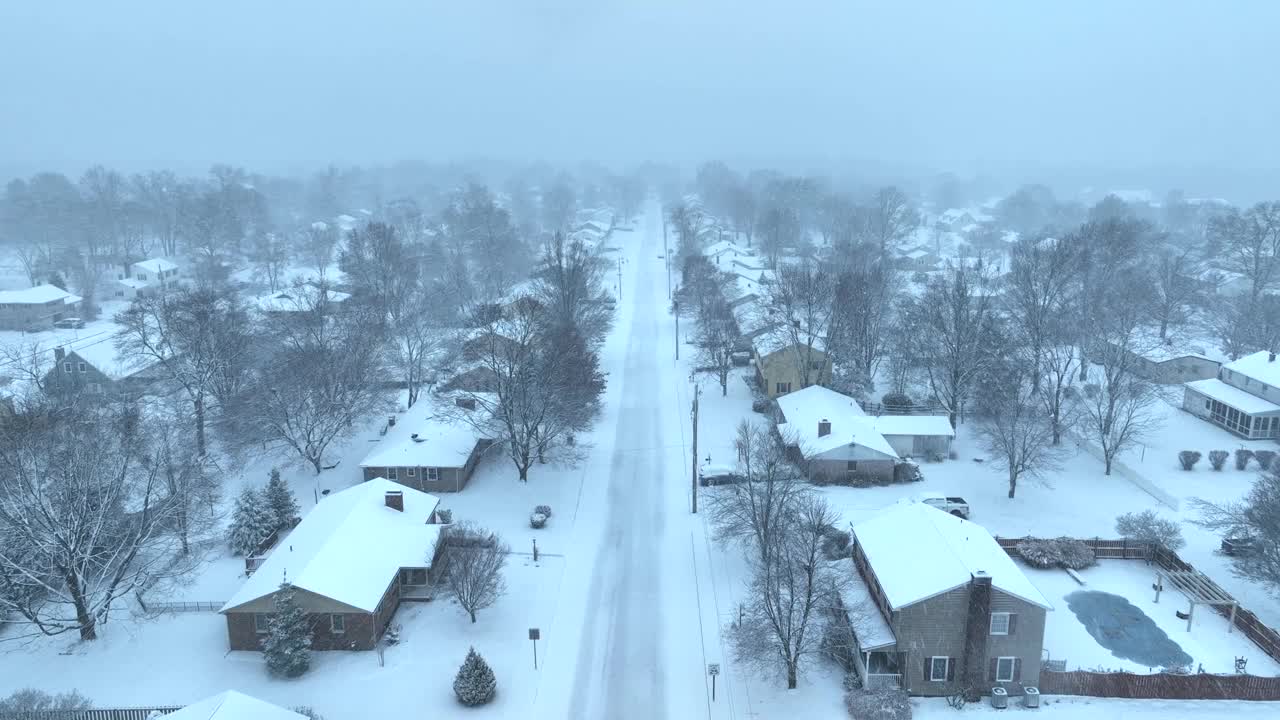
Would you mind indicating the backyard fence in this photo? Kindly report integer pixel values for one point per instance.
(1102, 549)
(1168, 686)
(93, 714)
(177, 607)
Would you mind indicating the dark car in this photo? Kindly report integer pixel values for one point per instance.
(711, 475)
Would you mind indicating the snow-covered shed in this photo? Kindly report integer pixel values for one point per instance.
(958, 607)
(232, 705)
(435, 445)
(351, 561)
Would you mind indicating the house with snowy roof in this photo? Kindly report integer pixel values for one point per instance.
(94, 366)
(36, 308)
(435, 446)
(232, 705)
(785, 362)
(1172, 360)
(945, 605)
(303, 297)
(351, 561)
(919, 259)
(838, 442)
(1244, 398)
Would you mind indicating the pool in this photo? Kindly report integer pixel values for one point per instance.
(1119, 626)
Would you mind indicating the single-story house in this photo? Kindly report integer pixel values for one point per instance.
(1244, 398)
(920, 259)
(435, 446)
(231, 705)
(780, 362)
(303, 297)
(351, 561)
(36, 308)
(949, 608)
(1173, 360)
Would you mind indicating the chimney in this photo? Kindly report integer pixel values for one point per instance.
(1271, 357)
(977, 627)
(59, 353)
(391, 421)
(395, 500)
(466, 403)
(824, 427)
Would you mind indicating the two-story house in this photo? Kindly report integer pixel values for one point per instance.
(944, 606)
(36, 308)
(93, 367)
(146, 276)
(1244, 398)
(787, 360)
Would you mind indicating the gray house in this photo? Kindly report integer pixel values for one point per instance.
(435, 446)
(1244, 398)
(944, 607)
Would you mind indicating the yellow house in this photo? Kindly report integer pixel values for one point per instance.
(786, 362)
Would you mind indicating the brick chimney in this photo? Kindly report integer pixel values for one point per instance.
(977, 626)
(824, 427)
(1271, 357)
(58, 354)
(395, 500)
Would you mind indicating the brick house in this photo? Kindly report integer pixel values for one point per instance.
(435, 446)
(352, 560)
(945, 607)
(1244, 398)
(36, 308)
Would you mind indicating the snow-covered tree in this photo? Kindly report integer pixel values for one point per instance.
(473, 559)
(31, 700)
(279, 500)
(252, 522)
(475, 683)
(1015, 431)
(1148, 527)
(1257, 516)
(716, 338)
(801, 300)
(754, 511)
(287, 646)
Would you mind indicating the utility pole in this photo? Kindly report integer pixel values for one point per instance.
(619, 280)
(676, 306)
(666, 256)
(697, 390)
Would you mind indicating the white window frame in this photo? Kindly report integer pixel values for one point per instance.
(261, 623)
(83, 367)
(946, 667)
(1004, 615)
(411, 472)
(392, 474)
(66, 367)
(1013, 663)
(337, 624)
(432, 474)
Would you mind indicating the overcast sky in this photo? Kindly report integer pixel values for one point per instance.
(968, 86)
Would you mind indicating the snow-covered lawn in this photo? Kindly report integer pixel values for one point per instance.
(1209, 644)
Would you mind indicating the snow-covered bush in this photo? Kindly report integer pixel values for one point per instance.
(537, 521)
(1039, 553)
(1148, 527)
(1075, 554)
(287, 646)
(443, 516)
(1218, 458)
(279, 500)
(882, 704)
(835, 544)
(252, 522)
(760, 405)
(1056, 552)
(896, 401)
(1188, 459)
(33, 700)
(308, 712)
(475, 683)
(1243, 457)
(544, 509)
(1264, 458)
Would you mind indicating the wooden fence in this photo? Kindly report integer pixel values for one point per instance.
(1266, 638)
(1168, 686)
(177, 607)
(137, 713)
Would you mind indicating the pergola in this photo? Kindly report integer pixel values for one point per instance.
(1199, 590)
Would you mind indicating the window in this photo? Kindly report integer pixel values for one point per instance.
(337, 624)
(95, 387)
(391, 474)
(815, 364)
(142, 276)
(83, 368)
(432, 474)
(413, 577)
(939, 667)
(411, 472)
(66, 367)
(781, 388)
(1004, 668)
(1000, 623)
(260, 623)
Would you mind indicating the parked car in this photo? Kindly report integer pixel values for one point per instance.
(957, 506)
(711, 474)
(1242, 545)
(69, 323)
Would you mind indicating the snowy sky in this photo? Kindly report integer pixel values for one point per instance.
(966, 86)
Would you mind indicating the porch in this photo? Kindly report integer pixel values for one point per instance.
(1233, 409)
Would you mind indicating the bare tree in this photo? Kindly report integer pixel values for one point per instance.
(793, 594)
(689, 225)
(192, 484)
(316, 244)
(1256, 517)
(559, 203)
(716, 339)
(473, 560)
(1040, 288)
(1251, 241)
(887, 220)
(570, 283)
(863, 301)
(270, 256)
(82, 519)
(1177, 288)
(801, 299)
(779, 228)
(753, 511)
(1058, 367)
(1016, 432)
(418, 337)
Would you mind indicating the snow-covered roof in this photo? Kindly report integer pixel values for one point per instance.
(767, 343)
(916, 254)
(1233, 396)
(804, 408)
(443, 439)
(231, 705)
(134, 283)
(349, 547)
(918, 552)
(156, 265)
(299, 299)
(1261, 366)
(721, 247)
(38, 295)
(924, 425)
(870, 627)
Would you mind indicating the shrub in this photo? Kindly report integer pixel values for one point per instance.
(852, 681)
(1218, 458)
(1148, 527)
(882, 704)
(537, 521)
(544, 509)
(1075, 554)
(1038, 553)
(32, 700)
(444, 516)
(835, 544)
(308, 712)
(1265, 458)
(896, 401)
(287, 645)
(953, 455)
(1188, 459)
(760, 405)
(1056, 552)
(475, 683)
(1243, 457)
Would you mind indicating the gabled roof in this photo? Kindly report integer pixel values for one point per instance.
(918, 552)
(302, 298)
(37, 295)
(804, 408)
(349, 547)
(443, 439)
(1231, 395)
(1260, 366)
(231, 705)
(156, 265)
(925, 425)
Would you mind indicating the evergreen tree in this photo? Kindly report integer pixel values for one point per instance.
(287, 646)
(251, 522)
(475, 683)
(279, 500)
